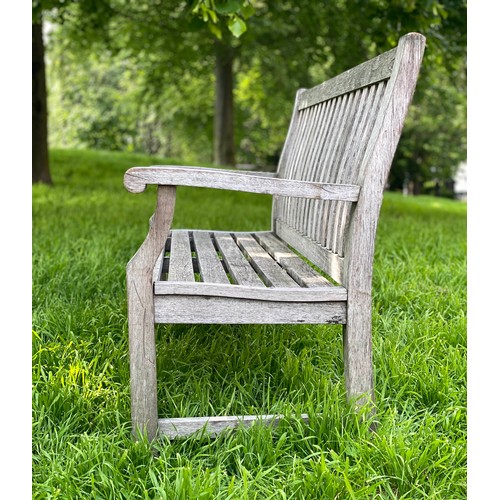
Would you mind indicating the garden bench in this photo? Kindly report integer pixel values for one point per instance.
(314, 265)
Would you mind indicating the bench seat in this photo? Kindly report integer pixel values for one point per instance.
(248, 277)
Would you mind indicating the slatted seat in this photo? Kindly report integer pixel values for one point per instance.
(313, 266)
(258, 270)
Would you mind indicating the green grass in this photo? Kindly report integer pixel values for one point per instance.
(87, 227)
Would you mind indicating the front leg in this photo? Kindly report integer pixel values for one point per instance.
(141, 325)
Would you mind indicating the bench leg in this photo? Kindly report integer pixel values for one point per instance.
(142, 349)
(141, 325)
(358, 369)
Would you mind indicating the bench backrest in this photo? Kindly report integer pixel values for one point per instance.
(345, 131)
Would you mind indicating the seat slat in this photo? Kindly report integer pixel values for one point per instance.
(210, 266)
(271, 273)
(181, 262)
(330, 293)
(301, 272)
(239, 268)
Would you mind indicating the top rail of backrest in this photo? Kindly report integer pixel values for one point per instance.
(372, 71)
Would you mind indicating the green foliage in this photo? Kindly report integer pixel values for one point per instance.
(106, 102)
(168, 49)
(88, 226)
(232, 12)
(434, 140)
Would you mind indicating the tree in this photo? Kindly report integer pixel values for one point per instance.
(176, 35)
(40, 152)
(265, 53)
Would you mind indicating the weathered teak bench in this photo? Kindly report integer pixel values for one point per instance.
(327, 194)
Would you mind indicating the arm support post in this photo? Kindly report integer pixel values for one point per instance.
(142, 340)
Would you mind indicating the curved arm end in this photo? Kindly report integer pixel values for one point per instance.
(133, 182)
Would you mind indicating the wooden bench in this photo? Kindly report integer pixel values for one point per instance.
(327, 194)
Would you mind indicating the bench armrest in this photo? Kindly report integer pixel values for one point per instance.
(137, 178)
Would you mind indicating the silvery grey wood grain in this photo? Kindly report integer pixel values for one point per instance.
(327, 261)
(181, 260)
(158, 268)
(367, 73)
(316, 164)
(301, 272)
(330, 164)
(210, 266)
(142, 348)
(297, 168)
(294, 166)
(317, 292)
(242, 273)
(347, 148)
(352, 171)
(361, 133)
(360, 243)
(190, 309)
(351, 164)
(290, 142)
(137, 178)
(346, 109)
(336, 169)
(310, 143)
(173, 428)
(314, 160)
(318, 220)
(269, 271)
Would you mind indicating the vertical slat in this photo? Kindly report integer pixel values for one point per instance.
(322, 175)
(376, 92)
(308, 212)
(210, 266)
(297, 166)
(358, 107)
(237, 265)
(181, 261)
(347, 132)
(331, 163)
(287, 153)
(302, 117)
(308, 164)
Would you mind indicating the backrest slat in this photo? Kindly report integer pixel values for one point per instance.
(331, 139)
(309, 163)
(303, 160)
(342, 215)
(309, 204)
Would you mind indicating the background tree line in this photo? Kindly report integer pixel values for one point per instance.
(214, 81)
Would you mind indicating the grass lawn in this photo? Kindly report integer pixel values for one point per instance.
(87, 227)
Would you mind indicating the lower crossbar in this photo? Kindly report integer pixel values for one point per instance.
(181, 427)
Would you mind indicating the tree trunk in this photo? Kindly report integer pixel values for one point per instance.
(224, 151)
(40, 171)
